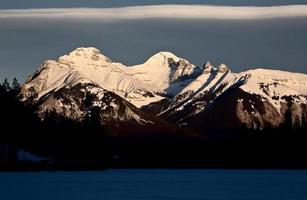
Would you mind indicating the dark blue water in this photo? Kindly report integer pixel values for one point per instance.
(155, 184)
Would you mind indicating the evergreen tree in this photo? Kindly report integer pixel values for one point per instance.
(6, 85)
(15, 85)
(32, 97)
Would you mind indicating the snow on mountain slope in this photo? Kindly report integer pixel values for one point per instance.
(88, 64)
(263, 98)
(170, 87)
(275, 85)
(76, 102)
(163, 74)
(204, 80)
(163, 71)
(212, 81)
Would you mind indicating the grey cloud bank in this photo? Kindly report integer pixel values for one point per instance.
(12, 4)
(162, 11)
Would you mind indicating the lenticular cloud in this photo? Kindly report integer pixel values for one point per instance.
(162, 11)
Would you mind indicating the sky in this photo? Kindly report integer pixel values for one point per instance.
(241, 37)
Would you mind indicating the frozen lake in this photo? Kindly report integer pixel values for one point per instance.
(155, 184)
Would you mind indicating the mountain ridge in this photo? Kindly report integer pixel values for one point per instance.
(172, 89)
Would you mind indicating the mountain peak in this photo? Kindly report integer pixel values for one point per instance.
(82, 54)
(85, 51)
(162, 58)
(165, 54)
(223, 68)
(207, 65)
(208, 68)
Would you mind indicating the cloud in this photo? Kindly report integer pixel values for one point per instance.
(162, 11)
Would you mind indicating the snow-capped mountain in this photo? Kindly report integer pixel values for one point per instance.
(255, 99)
(169, 88)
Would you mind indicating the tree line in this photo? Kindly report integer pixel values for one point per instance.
(69, 143)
